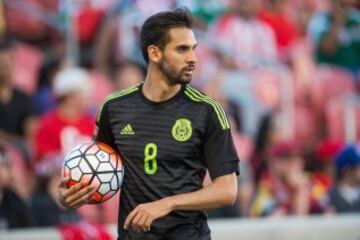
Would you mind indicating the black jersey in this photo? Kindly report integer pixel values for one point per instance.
(166, 148)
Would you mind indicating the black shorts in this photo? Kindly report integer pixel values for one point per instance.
(191, 231)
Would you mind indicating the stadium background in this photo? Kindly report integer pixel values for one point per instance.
(290, 91)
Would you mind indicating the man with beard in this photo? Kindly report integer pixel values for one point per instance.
(168, 135)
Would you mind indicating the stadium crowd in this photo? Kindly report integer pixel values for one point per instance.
(286, 71)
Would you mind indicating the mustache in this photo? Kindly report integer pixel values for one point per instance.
(189, 67)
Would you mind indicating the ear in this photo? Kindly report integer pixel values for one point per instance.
(154, 53)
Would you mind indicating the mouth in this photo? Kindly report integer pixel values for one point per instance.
(189, 70)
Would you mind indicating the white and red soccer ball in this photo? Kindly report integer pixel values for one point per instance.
(95, 164)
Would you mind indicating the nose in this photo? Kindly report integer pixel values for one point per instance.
(192, 57)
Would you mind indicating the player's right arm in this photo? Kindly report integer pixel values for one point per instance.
(81, 193)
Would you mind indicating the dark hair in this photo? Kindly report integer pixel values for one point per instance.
(156, 28)
(47, 70)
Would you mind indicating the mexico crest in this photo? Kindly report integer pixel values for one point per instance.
(182, 130)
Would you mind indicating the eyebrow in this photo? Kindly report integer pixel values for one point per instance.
(186, 46)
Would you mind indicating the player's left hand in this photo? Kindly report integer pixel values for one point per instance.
(144, 214)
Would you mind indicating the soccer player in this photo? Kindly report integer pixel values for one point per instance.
(168, 135)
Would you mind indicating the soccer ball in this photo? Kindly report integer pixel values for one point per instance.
(96, 164)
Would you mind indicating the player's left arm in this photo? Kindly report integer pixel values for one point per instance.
(221, 192)
(223, 165)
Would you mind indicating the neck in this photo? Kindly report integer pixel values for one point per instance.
(68, 112)
(157, 88)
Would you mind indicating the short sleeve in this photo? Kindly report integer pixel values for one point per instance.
(219, 151)
(103, 131)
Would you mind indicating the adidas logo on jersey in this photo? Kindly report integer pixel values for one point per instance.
(127, 130)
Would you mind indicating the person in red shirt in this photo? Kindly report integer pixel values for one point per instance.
(323, 176)
(69, 124)
(284, 188)
(285, 30)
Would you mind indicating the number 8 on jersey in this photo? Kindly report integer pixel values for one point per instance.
(150, 162)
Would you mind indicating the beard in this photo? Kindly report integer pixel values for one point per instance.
(172, 75)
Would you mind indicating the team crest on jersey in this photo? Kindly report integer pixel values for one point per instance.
(182, 130)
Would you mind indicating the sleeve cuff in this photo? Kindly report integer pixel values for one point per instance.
(222, 169)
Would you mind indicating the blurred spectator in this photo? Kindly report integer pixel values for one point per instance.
(13, 211)
(16, 123)
(323, 175)
(345, 196)
(241, 39)
(262, 142)
(46, 209)
(337, 35)
(242, 43)
(44, 100)
(69, 124)
(243, 146)
(284, 29)
(118, 37)
(204, 11)
(128, 74)
(88, 20)
(22, 177)
(284, 188)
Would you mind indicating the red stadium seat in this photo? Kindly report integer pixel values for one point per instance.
(23, 20)
(101, 87)
(329, 83)
(267, 87)
(26, 64)
(343, 119)
(306, 129)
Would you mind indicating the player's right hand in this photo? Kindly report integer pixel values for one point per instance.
(75, 196)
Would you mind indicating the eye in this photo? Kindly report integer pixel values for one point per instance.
(182, 48)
